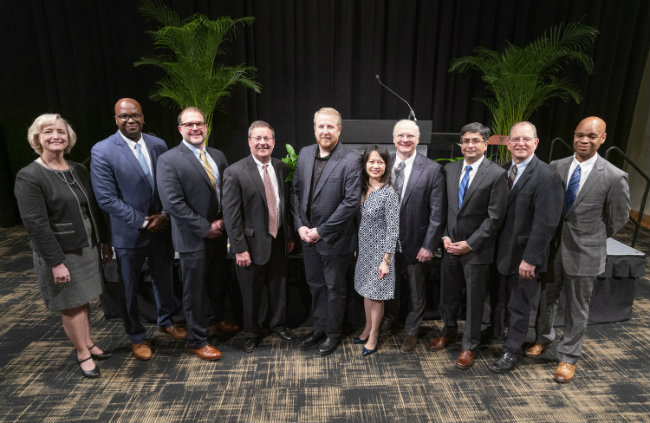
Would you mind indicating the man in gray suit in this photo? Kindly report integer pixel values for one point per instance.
(421, 185)
(326, 196)
(189, 182)
(534, 209)
(257, 215)
(477, 192)
(597, 205)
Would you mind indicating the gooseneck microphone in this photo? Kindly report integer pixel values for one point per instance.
(411, 113)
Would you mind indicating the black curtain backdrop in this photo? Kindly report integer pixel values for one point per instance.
(76, 58)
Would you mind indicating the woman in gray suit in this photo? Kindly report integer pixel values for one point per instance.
(374, 276)
(65, 227)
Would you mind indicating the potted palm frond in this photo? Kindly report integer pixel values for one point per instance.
(519, 80)
(193, 75)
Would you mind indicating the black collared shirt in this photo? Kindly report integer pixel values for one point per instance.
(319, 166)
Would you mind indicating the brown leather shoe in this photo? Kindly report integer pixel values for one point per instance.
(439, 343)
(175, 332)
(465, 359)
(564, 372)
(536, 350)
(225, 326)
(206, 352)
(408, 344)
(141, 351)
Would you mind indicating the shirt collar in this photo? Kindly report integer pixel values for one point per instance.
(130, 142)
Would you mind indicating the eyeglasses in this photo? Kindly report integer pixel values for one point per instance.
(259, 139)
(519, 139)
(125, 117)
(466, 141)
(191, 125)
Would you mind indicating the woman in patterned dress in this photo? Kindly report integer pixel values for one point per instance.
(374, 276)
(65, 227)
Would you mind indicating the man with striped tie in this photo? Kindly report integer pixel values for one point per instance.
(477, 192)
(189, 182)
(597, 205)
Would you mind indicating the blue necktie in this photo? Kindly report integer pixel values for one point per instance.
(463, 186)
(144, 164)
(572, 190)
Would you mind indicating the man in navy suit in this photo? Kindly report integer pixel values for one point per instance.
(326, 197)
(123, 172)
(190, 185)
(257, 215)
(421, 185)
(477, 192)
(534, 210)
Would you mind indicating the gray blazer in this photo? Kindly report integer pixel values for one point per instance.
(187, 195)
(335, 200)
(601, 208)
(484, 207)
(246, 213)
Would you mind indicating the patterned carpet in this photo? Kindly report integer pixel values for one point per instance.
(40, 382)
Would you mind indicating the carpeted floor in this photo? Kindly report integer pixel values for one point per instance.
(40, 382)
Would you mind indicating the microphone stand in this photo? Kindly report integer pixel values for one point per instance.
(411, 112)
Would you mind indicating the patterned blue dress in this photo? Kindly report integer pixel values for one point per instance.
(378, 234)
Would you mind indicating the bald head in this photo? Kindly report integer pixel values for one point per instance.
(589, 135)
(129, 118)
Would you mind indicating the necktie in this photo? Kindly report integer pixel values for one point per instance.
(512, 175)
(463, 186)
(271, 203)
(399, 178)
(143, 164)
(572, 190)
(208, 169)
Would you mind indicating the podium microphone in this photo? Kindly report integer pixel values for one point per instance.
(411, 113)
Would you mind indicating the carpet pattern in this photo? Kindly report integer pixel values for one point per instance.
(40, 381)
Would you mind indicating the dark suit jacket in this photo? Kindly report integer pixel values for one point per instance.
(245, 210)
(122, 190)
(335, 200)
(422, 211)
(534, 209)
(480, 217)
(187, 195)
(601, 208)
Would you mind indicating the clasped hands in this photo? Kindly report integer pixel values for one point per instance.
(456, 248)
(157, 222)
(216, 229)
(309, 235)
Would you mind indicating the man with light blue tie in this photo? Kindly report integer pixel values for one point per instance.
(597, 205)
(477, 194)
(122, 169)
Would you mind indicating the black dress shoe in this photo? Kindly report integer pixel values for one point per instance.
(366, 352)
(312, 339)
(328, 345)
(358, 340)
(505, 363)
(285, 334)
(250, 344)
(103, 356)
(91, 374)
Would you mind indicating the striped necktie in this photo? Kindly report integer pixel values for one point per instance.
(271, 203)
(572, 190)
(463, 186)
(208, 169)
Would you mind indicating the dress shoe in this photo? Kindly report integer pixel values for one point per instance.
(250, 344)
(285, 334)
(505, 363)
(366, 352)
(141, 351)
(358, 340)
(312, 339)
(536, 350)
(408, 344)
(225, 326)
(564, 372)
(92, 373)
(328, 346)
(175, 332)
(103, 356)
(206, 352)
(439, 343)
(465, 359)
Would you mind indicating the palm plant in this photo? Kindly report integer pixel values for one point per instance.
(519, 80)
(193, 76)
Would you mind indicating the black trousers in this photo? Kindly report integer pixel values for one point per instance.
(518, 294)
